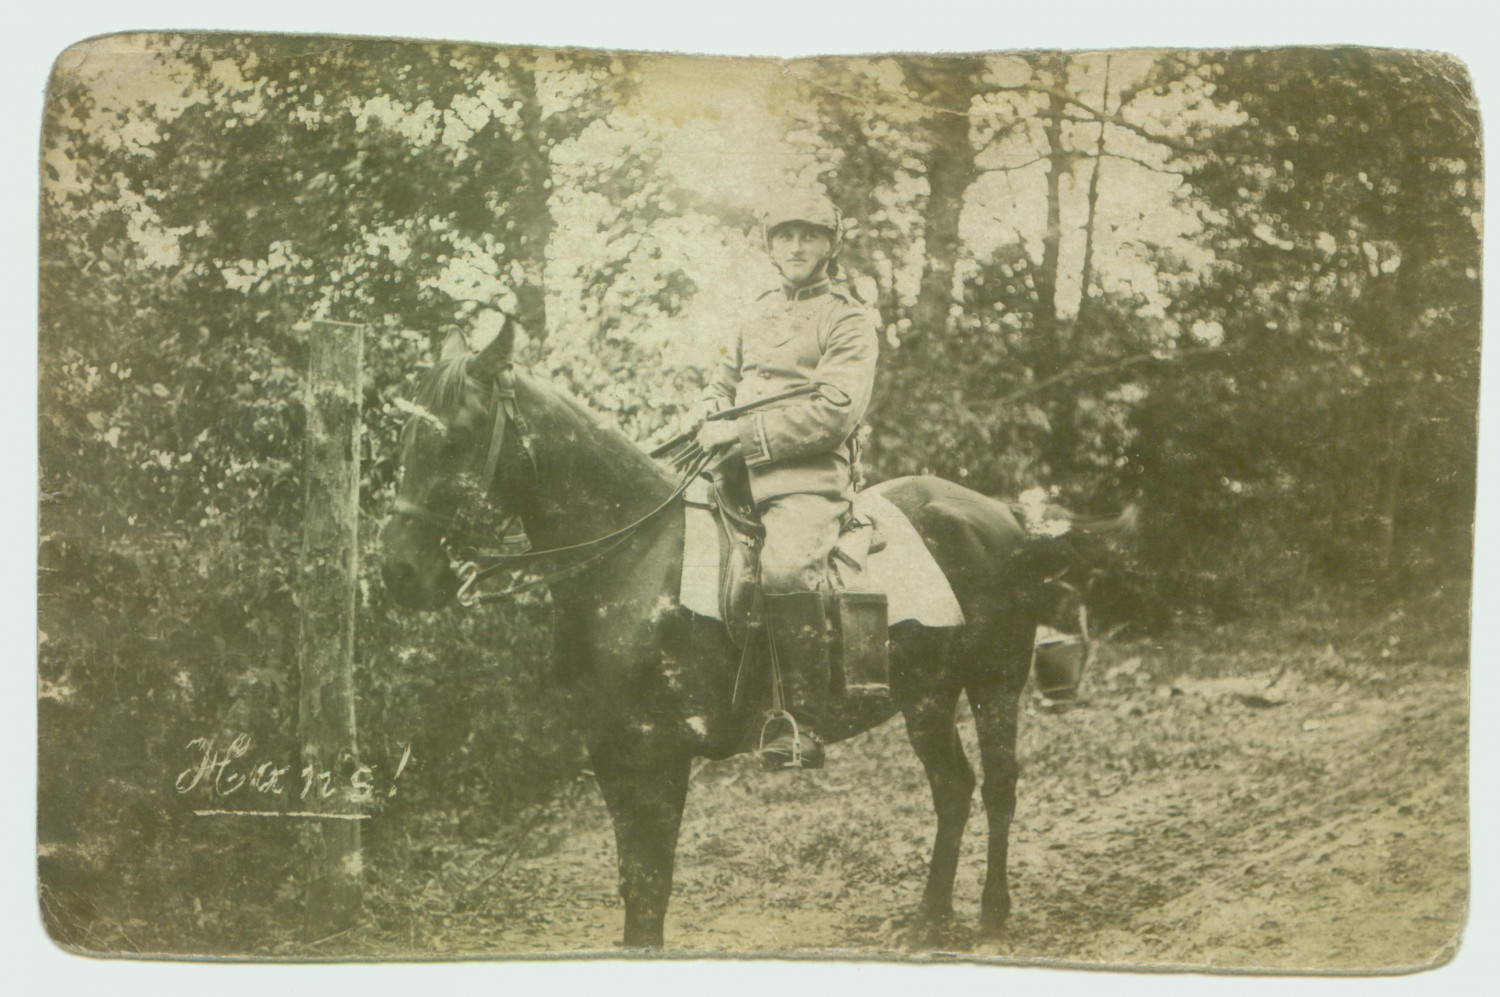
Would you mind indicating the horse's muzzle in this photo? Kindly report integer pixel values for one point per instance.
(414, 576)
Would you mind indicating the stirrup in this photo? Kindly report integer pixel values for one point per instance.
(785, 751)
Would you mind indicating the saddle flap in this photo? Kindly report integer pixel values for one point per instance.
(733, 499)
(896, 561)
(850, 559)
(734, 536)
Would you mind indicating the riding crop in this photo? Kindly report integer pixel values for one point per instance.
(830, 393)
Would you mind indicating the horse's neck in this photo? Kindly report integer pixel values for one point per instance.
(591, 479)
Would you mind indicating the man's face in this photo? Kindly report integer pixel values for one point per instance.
(799, 249)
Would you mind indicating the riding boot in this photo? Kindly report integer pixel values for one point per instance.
(798, 626)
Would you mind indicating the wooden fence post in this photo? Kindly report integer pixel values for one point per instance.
(327, 584)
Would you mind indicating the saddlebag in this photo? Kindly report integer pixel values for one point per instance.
(861, 650)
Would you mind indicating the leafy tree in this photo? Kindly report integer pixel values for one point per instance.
(1346, 216)
(1038, 323)
(191, 225)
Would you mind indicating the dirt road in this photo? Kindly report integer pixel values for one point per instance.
(1295, 811)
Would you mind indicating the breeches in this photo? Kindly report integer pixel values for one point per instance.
(801, 530)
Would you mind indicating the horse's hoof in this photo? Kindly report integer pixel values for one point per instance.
(924, 931)
(994, 929)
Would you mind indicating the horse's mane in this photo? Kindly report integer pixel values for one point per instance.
(442, 386)
(595, 426)
(438, 389)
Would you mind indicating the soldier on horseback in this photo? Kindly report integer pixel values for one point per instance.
(799, 452)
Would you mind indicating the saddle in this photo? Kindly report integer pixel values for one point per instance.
(858, 615)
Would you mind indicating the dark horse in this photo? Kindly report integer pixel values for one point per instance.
(657, 682)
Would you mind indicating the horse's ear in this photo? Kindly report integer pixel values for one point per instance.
(495, 355)
(454, 343)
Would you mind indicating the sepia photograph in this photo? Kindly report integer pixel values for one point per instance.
(506, 501)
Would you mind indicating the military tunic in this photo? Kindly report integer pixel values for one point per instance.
(798, 451)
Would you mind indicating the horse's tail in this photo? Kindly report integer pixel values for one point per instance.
(1121, 525)
(1118, 527)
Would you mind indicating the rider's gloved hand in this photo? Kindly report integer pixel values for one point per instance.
(719, 436)
(697, 416)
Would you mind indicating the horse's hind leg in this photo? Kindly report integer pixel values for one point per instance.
(995, 703)
(933, 734)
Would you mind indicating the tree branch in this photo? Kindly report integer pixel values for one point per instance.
(1010, 169)
(1098, 370)
(1171, 143)
(1141, 162)
(1095, 114)
(1093, 197)
(1058, 93)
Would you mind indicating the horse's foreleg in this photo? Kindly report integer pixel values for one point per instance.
(930, 728)
(644, 788)
(995, 706)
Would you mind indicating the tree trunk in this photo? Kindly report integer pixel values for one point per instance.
(1087, 277)
(531, 214)
(1046, 319)
(326, 598)
(1390, 303)
(949, 165)
(1391, 472)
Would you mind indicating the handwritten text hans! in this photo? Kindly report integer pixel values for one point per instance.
(226, 770)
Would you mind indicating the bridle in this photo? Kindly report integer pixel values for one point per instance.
(507, 414)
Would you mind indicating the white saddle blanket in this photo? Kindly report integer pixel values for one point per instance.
(914, 586)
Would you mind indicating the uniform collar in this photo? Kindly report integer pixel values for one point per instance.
(806, 291)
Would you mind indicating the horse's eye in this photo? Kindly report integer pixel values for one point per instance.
(456, 442)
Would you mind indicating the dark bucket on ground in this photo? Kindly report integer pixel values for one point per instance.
(1057, 664)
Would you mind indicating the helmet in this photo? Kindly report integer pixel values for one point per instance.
(813, 209)
(810, 209)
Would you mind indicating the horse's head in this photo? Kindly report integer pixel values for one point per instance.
(449, 452)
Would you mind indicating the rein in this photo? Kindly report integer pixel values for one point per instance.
(470, 574)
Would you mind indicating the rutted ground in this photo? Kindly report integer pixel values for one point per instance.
(1307, 812)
